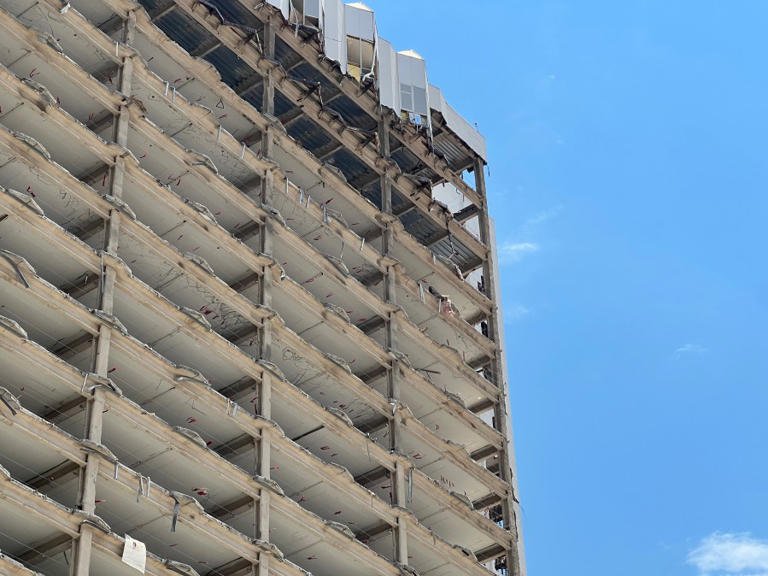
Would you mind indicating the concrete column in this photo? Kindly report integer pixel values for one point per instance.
(510, 507)
(263, 568)
(100, 366)
(265, 390)
(267, 185)
(390, 282)
(265, 299)
(83, 545)
(393, 375)
(268, 43)
(262, 505)
(265, 396)
(401, 498)
(263, 443)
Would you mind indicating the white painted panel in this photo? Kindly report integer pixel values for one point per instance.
(452, 197)
(389, 83)
(334, 34)
(284, 6)
(313, 8)
(412, 69)
(135, 554)
(360, 21)
(412, 72)
(463, 129)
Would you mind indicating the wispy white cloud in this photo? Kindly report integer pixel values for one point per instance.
(515, 311)
(696, 349)
(514, 251)
(543, 216)
(730, 554)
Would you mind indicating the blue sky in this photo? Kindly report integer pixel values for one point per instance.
(628, 178)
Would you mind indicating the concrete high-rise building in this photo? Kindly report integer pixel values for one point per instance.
(249, 303)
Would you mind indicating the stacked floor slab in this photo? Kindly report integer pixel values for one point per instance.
(237, 325)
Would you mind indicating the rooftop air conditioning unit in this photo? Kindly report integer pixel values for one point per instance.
(360, 26)
(412, 74)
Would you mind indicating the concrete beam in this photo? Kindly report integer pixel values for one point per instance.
(232, 509)
(302, 155)
(373, 449)
(40, 481)
(483, 453)
(373, 476)
(74, 346)
(249, 54)
(42, 552)
(368, 103)
(374, 324)
(88, 284)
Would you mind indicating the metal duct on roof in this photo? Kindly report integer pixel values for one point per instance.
(360, 21)
(360, 27)
(334, 35)
(412, 73)
(388, 82)
(314, 9)
(283, 5)
(463, 129)
(351, 39)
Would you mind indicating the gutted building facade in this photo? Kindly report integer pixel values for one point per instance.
(248, 299)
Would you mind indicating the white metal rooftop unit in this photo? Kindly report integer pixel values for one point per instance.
(249, 316)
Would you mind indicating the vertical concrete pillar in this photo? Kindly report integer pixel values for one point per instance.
(401, 501)
(263, 467)
(265, 299)
(268, 102)
(510, 506)
(267, 185)
(262, 505)
(265, 386)
(390, 279)
(263, 568)
(100, 366)
(393, 373)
